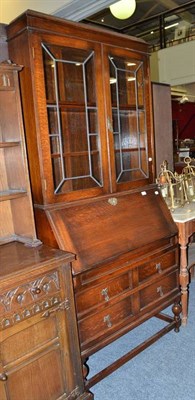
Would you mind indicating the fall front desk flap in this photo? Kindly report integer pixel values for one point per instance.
(104, 228)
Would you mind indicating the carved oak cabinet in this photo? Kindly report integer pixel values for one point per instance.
(40, 356)
(88, 121)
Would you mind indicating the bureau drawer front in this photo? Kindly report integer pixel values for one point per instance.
(158, 265)
(101, 294)
(105, 322)
(159, 290)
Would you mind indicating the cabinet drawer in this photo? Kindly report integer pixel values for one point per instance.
(158, 265)
(105, 322)
(28, 299)
(159, 290)
(101, 294)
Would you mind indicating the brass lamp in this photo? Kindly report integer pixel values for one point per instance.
(172, 187)
(189, 179)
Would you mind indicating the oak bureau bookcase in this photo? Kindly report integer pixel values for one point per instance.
(88, 120)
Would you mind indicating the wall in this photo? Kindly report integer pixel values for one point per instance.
(3, 43)
(174, 65)
(185, 116)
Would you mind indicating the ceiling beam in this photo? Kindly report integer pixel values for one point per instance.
(77, 10)
(172, 4)
(148, 12)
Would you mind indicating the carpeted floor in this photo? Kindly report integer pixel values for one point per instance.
(164, 371)
(191, 259)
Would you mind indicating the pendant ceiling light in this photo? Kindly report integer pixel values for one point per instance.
(123, 9)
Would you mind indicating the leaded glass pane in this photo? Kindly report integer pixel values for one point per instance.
(129, 119)
(72, 118)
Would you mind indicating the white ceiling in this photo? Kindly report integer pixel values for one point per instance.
(70, 9)
(75, 10)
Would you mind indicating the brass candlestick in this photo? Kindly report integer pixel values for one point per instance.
(172, 187)
(189, 179)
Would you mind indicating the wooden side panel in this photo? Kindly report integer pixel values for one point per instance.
(19, 51)
(162, 116)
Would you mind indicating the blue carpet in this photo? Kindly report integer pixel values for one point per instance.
(164, 371)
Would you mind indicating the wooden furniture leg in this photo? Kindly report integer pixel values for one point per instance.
(184, 274)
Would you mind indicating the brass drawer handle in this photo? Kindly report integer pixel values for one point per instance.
(104, 293)
(107, 320)
(3, 377)
(36, 290)
(158, 268)
(160, 291)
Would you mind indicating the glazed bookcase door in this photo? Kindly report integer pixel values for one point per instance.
(128, 120)
(72, 88)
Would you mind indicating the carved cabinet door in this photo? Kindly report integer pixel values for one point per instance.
(34, 362)
(2, 387)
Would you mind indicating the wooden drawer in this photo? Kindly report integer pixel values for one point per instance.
(109, 320)
(28, 299)
(159, 290)
(105, 322)
(102, 294)
(158, 265)
(128, 276)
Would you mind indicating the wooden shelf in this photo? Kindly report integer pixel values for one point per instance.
(8, 144)
(12, 194)
(75, 154)
(15, 195)
(70, 105)
(130, 149)
(128, 107)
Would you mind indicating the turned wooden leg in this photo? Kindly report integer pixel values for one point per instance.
(184, 234)
(184, 282)
(85, 369)
(176, 311)
(90, 395)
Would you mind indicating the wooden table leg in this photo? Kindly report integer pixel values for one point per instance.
(184, 274)
(184, 282)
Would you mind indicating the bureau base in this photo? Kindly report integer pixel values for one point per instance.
(173, 323)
